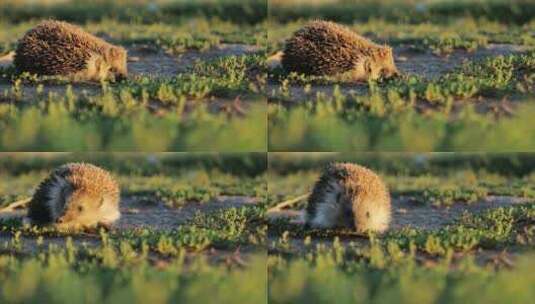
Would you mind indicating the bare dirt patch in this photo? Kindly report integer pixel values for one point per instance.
(427, 217)
(157, 216)
(431, 66)
(146, 61)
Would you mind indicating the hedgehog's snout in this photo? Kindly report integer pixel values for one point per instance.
(120, 77)
(395, 73)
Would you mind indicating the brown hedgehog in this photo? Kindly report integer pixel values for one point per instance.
(325, 48)
(58, 48)
(349, 195)
(75, 196)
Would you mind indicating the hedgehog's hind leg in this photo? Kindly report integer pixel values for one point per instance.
(372, 216)
(96, 69)
(360, 72)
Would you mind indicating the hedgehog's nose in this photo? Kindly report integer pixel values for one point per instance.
(394, 74)
(120, 77)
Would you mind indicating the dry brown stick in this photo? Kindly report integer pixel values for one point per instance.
(275, 60)
(20, 203)
(7, 60)
(288, 203)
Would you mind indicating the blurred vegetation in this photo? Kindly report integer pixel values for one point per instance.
(142, 164)
(324, 130)
(110, 274)
(480, 104)
(408, 265)
(213, 102)
(221, 250)
(381, 276)
(413, 113)
(405, 11)
(141, 11)
(412, 164)
(412, 263)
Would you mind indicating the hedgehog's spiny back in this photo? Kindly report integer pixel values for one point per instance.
(367, 193)
(56, 48)
(370, 198)
(323, 48)
(326, 48)
(368, 183)
(93, 180)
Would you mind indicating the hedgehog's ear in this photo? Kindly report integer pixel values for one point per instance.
(384, 52)
(115, 53)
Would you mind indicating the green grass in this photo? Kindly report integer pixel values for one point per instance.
(320, 281)
(242, 12)
(477, 257)
(110, 275)
(121, 116)
(410, 114)
(191, 108)
(408, 265)
(175, 264)
(451, 106)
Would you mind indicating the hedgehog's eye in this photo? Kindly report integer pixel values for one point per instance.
(80, 208)
(101, 202)
(368, 67)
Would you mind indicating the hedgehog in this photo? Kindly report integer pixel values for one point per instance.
(75, 196)
(56, 48)
(349, 196)
(324, 48)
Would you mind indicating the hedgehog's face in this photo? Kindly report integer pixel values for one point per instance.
(385, 65)
(117, 61)
(80, 211)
